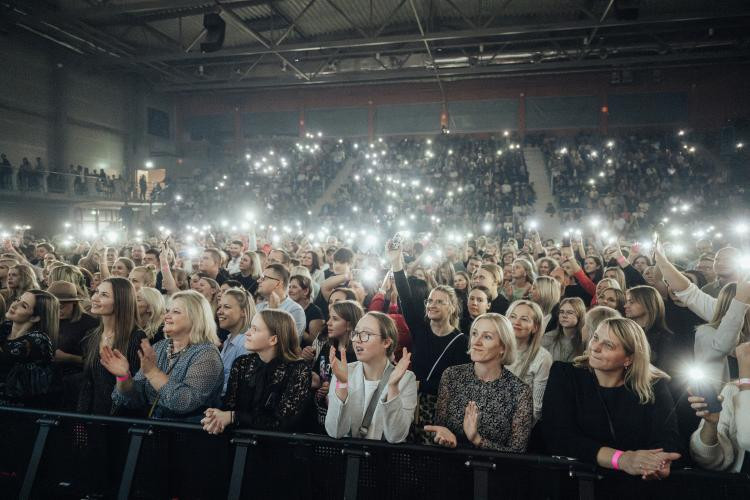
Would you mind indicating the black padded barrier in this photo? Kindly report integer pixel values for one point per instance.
(46, 454)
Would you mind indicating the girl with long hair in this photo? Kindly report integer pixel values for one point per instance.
(566, 341)
(268, 388)
(235, 312)
(533, 361)
(114, 303)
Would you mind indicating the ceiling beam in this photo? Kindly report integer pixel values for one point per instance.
(156, 10)
(478, 71)
(479, 35)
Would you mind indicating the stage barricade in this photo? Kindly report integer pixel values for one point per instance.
(47, 454)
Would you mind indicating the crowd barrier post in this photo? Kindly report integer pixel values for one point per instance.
(134, 450)
(351, 481)
(241, 446)
(45, 424)
(481, 477)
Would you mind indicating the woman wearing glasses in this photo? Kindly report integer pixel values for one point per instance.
(371, 398)
(437, 343)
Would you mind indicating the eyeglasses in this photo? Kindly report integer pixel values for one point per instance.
(263, 277)
(435, 302)
(360, 336)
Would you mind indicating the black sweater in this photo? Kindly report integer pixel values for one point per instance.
(426, 346)
(575, 422)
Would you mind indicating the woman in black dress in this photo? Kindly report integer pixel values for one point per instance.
(114, 302)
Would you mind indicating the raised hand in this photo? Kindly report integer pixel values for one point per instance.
(471, 420)
(114, 362)
(339, 366)
(443, 436)
(401, 367)
(147, 355)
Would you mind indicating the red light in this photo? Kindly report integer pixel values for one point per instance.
(605, 109)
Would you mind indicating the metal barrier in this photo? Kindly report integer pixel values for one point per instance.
(48, 454)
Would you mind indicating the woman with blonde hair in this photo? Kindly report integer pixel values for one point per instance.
(436, 339)
(485, 386)
(644, 305)
(594, 317)
(180, 376)
(234, 314)
(611, 407)
(151, 309)
(522, 279)
(490, 276)
(269, 388)
(71, 274)
(210, 289)
(566, 341)
(546, 293)
(142, 276)
(533, 361)
(617, 274)
(21, 279)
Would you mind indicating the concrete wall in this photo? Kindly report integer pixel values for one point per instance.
(58, 108)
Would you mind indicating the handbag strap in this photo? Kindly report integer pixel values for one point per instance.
(367, 419)
(460, 334)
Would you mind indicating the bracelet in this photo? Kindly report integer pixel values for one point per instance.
(616, 459)
(743, 381)
(123, 379)
(339, 385)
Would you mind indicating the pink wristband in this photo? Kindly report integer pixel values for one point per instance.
(616, 459)
(339, 385)
(743, 381)
(123, 379)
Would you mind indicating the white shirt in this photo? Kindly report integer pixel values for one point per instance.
(370, 388)
(233, 266)
(536, 376)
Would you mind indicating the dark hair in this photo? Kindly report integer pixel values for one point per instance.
(343, 255)
(700, 278)
(126, 319)
(233, 284)
(236, 242)
(281, 271)
(47, 247)
(305, 284)
(419, 289)
(153, 251)
(315, 261)
(484, 290)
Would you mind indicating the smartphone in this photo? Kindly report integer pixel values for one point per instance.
(396, 241)
(566, 241)
(706, 391)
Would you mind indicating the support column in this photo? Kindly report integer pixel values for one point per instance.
(57, 140)
(522, 115)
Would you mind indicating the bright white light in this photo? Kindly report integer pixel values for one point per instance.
(112, 237)
(740, 145)
(149, 164)
(178, 197)
(564, 151)
(533, 224)
(740, 228)
(224, 223)
(486, 227)
(681, 133)
(506, 133)
(696, 373)
(247, 156)
(610, 144)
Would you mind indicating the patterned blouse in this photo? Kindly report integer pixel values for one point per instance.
(195, 382)
(505, 407)
(31, 352)
(268, 396)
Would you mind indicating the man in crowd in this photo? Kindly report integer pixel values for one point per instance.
(726, 269)
(210, 264)
(273, 288)
(235, 255)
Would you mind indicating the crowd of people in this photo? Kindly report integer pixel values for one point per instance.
(570, 348)
(633, 180)
(74, 180)
(446, 181)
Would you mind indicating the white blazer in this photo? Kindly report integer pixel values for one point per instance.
(391, 419)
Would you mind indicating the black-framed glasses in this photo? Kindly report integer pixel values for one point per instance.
(263, 277)
(360, 336)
